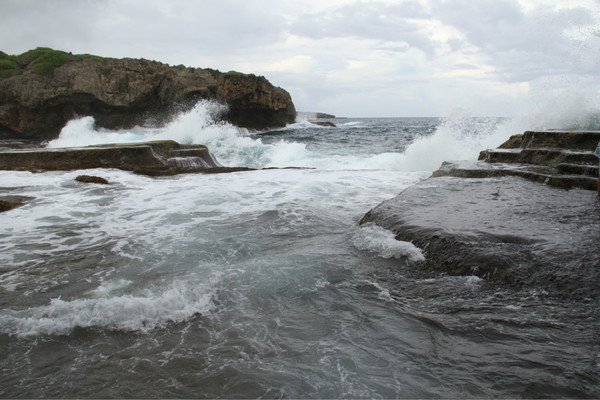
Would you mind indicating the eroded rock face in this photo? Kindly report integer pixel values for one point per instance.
(124, 93)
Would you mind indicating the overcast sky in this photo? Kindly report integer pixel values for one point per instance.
(346, 57)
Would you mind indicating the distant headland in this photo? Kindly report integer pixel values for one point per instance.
(42, 89)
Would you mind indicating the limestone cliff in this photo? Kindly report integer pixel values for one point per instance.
(38, 96)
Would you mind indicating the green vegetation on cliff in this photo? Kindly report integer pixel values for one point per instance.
(8, 65)
(41, 61)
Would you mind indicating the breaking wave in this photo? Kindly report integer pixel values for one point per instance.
(126, 312)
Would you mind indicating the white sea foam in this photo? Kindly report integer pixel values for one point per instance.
(231, 146)
(383, 242)
(142, 312)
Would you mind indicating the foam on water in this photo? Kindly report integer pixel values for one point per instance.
(157, 252)
(383, 243)
(128, 312)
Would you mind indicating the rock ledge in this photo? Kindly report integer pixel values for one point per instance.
(151, 158)
(484, 219)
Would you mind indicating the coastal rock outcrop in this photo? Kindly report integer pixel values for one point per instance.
(43, 89)
(505, 221)
(151, 158)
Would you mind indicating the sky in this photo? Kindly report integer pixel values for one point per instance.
(380, 58)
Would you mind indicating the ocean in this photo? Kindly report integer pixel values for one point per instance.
(261, 284)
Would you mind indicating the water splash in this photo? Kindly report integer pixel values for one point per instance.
(461, 136)
(383, 243)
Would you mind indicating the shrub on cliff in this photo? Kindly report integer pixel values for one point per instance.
(44, 59)
(8, 65)
(41, 61)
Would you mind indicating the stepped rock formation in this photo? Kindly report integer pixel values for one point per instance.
(127, 92)
(559, 158)
(482, 218)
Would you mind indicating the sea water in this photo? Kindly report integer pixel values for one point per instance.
(261, 283)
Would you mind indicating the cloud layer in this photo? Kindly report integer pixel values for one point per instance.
(353, 58)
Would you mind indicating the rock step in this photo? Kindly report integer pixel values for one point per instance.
(539, 156)
(547, 175)
(504, 229)
(200, 151)
(570, 140)
(579, 169)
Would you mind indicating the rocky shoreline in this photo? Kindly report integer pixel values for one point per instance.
(504, 220)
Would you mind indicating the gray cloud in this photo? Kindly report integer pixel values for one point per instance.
(520, 45)
(376, 21)
(414, 57)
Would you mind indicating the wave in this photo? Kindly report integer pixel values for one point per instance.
(232, 146)
(127, 312)
(462, 136)
(459, 136)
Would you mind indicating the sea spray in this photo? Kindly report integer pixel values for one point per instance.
(419, 145)
(233, 146)
(461, 136)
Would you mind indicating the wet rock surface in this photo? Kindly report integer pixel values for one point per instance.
(559, 158)
(7, 203)
(508, 218)
(91, 179)
(166, 156)
(507, 230)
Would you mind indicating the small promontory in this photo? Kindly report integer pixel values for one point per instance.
(42, 89)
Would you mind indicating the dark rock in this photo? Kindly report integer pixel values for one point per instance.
(566, 140)
(156, 171)
(506, 230)
(324, 123)
(123, 93)
(314, 115)
(324, 115)
(9, 202)
(6, 205)
(559, 158)
(91, 179)
(162, 170)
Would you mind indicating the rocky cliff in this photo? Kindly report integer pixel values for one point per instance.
(43, 89)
